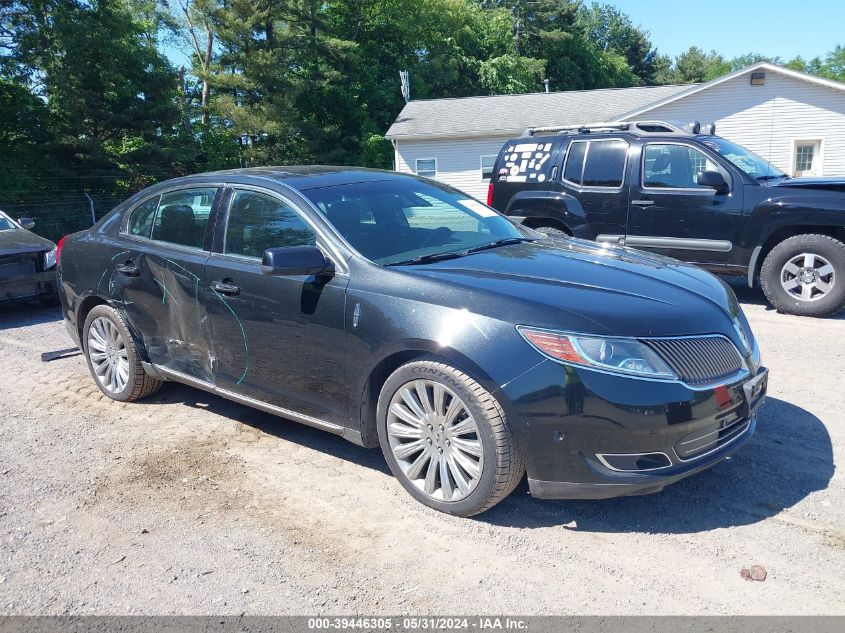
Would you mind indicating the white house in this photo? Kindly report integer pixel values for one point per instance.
(794, 120)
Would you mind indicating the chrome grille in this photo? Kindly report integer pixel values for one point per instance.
(708, 439)
(698, 360)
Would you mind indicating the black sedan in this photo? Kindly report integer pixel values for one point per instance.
(27, 262)
(394, 311)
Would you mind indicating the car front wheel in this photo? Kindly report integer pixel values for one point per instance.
(446, 438)
(805, 275)
(113, 358)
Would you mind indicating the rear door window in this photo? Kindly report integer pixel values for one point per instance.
(605, 164)
(599, 163)
(183, 215)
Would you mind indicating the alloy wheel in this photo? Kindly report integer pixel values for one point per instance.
(435, 440)
(108, 354)
(807, 277)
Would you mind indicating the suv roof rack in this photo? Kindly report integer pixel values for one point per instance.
(635, 127)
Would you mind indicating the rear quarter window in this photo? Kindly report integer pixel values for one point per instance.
(525, 160)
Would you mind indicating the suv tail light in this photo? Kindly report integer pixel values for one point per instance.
(59, 249)
(490, 193)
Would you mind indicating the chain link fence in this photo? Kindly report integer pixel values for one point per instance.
(60, 216)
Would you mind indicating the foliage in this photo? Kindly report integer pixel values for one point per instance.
(91, 106)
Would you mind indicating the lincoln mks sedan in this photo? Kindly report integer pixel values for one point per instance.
(397, 312)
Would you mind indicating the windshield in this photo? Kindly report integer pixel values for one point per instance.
(6, 224)
(742, 159)
(405, 219)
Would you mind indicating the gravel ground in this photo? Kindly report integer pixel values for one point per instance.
(189, 504)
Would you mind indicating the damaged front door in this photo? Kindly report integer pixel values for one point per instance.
(162, 281)
(279, 340)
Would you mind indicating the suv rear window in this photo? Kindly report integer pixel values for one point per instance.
(599, 163)
(525, 161)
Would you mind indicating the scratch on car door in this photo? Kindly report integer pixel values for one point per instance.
(243, 333)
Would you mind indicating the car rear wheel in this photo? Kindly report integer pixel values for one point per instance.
(446, 439)
(805, 275)
(113, 358)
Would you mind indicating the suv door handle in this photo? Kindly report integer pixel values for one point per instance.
(642, 203)
(225, 288)
(129, 269)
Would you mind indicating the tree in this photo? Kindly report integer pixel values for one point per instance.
(612, 31)
(694, 66)
(194, 21)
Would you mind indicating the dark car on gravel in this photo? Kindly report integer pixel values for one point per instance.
(394, 311)
(684, 192)
(27, 262)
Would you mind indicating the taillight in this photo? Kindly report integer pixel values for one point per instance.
(59, 249)
(490, 193)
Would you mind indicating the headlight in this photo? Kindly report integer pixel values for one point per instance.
(49, 259)
(621, 355)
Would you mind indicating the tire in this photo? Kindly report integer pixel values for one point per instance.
(106, 338)
(474, 450)
(805, 275)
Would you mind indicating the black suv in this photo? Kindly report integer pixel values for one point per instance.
(683, 192)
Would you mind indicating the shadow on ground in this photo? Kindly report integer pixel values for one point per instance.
(16, 315)
(790, 457)
(288, 430)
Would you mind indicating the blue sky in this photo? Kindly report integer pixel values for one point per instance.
(734, 27)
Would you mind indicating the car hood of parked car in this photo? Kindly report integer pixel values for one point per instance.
(613, 290)
(14, 241)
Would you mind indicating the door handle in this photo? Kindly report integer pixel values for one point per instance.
(226, 288)
(642, 203)
(129, 269)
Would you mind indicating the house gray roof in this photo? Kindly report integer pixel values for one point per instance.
(506, 114)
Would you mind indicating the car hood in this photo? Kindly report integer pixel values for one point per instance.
(14, 241)
(827, 184)
(609, 290)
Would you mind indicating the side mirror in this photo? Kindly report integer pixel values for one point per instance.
(26, 223)
(714, 180)
(295, 260)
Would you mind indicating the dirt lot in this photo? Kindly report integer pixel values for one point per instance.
(190, 504)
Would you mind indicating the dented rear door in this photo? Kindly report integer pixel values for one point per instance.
(162, 284)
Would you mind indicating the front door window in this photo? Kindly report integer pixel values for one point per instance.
(258, 222)
(674, 166)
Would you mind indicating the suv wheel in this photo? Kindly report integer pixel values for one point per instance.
(113, 357)
(446, 439)
(805, 275)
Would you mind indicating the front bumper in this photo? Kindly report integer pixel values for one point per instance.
(626, 484)
(591, 435)
(29, 286)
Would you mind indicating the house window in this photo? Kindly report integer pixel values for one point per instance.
(488, 162)
(427, 168)
(807, 158)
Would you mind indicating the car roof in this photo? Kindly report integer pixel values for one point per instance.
(300, 177)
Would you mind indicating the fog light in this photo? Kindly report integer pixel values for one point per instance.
(634, 462)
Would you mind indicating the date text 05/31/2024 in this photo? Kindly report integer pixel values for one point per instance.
(418, 623)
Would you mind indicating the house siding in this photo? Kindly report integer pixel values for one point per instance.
(768, 119)
(458, 160)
